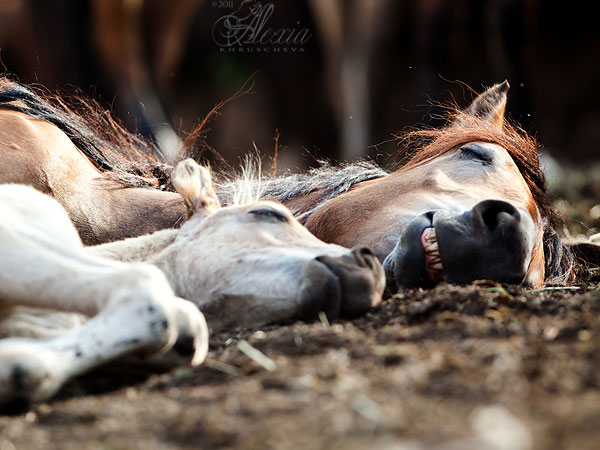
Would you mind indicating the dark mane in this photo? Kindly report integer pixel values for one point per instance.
(327, 180)
(330, 181)
(124, 156)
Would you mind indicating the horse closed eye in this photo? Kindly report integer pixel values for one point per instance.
(269, 214)
(477, 153)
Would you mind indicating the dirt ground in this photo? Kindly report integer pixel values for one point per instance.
(481, 366)
(474, 367)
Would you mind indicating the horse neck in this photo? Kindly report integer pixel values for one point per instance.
(303, 207)
(116, 213)
(158, 248)
(137, 249)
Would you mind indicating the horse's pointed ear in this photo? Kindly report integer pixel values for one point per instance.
(491, 104)
(194, 184)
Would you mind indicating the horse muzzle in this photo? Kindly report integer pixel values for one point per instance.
(493, 240)
(342, 286)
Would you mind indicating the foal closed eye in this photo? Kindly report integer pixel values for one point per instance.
(269, 214)
(477, 153)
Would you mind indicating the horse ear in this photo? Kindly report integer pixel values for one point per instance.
(194, 184)
(491, 104)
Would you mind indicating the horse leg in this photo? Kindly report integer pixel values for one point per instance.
(132, 306)
(37, 323)
(137, 313)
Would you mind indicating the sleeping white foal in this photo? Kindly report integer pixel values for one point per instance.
(44, 265)
(252, 263)
(243, 265)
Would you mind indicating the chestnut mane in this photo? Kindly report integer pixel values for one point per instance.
(428, 144)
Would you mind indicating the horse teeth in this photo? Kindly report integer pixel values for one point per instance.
(433, 254)
(436, 266)
(434, 247)
(431, 237)
(435, 260)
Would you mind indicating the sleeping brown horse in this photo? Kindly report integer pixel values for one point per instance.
(470, 204)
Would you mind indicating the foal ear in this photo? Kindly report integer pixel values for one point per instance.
(491, 104)
(194, 184)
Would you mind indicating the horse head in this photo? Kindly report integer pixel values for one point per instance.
(253, 263)
(470, 204)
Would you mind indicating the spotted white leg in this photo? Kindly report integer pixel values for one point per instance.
(139, 316)
(42, 264)
(45, 324)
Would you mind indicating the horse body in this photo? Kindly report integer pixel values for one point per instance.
(37, 153)
(44, 265)
(245, 265)
(471, 204)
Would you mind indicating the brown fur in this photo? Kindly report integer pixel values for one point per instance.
(345, 220)
(103, 211)
(522, 148)
(37, 153)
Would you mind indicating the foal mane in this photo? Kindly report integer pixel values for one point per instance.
(243, 188)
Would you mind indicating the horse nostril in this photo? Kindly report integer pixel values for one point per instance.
(363, 251)
(364, 256)
(360, 278)
(491, 212)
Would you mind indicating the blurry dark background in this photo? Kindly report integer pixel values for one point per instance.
(367, 69)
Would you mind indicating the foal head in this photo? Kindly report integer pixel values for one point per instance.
(253, 263)
(471, 204)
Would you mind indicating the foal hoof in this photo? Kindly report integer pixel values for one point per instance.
(27, 375)
(191, 346)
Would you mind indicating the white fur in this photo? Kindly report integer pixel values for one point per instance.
(239, 270)
(43, 265)
(243, 265)
(248, 188)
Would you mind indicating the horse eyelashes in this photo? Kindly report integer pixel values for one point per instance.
(269, 214)
(477, 152)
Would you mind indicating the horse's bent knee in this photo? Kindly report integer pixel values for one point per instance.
(148, 299)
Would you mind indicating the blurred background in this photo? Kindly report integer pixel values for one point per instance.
(334, 79)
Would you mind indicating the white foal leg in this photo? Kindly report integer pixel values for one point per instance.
(37, 323)
(191, 346)
(140, 314)
(42, 264)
